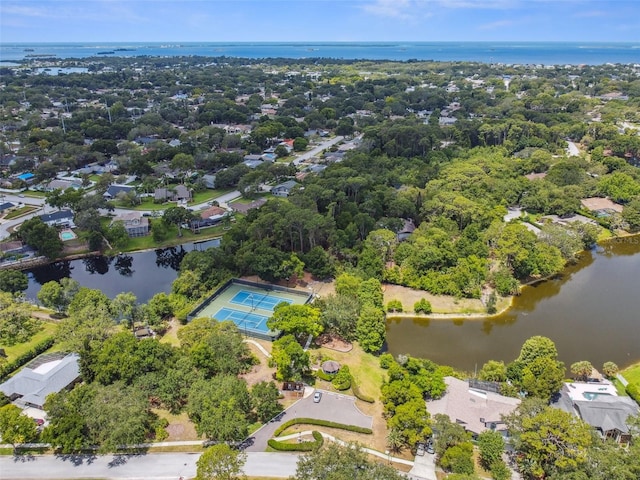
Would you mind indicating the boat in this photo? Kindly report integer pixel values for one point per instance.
(28, 50)
(110, 52)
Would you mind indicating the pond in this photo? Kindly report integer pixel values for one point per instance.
(143, 273)
(591, 311)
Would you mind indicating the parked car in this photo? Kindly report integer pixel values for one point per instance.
(420, 449)
(430, 448)
(317, 397)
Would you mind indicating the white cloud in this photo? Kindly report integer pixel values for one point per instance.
(389, 8)
(410, 9)
(496, 25)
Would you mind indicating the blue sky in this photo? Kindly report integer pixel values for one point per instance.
(319, 20)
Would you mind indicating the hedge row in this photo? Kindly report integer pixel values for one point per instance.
(634, 392)
(321, 423)
(324, 376)
(359, 395)
(298, 447)
(27, 356)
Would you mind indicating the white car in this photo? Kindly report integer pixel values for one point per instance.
(317, 397)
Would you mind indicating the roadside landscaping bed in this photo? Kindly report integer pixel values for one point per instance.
(19, 212)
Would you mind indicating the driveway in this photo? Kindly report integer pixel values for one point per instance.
(333, 407)
(424, 467)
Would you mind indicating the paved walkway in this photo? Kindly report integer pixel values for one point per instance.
(623, 380)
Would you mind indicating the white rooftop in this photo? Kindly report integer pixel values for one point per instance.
(47, 367)
(581, 391)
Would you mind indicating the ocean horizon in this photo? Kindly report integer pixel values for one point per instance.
(522, 53)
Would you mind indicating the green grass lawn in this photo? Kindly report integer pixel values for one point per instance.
(18, 212)
(34, 193)
(48, 330)
(632, 374)
(202, 197)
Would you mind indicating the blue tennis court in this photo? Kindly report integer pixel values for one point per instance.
(244, 320)
(258, 300)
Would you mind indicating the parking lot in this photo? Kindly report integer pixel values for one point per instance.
(333, 407)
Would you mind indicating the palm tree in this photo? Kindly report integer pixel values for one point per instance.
(395, 440)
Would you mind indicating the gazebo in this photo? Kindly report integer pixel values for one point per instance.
(330, 367)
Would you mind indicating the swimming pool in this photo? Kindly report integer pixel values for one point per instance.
(66, 235)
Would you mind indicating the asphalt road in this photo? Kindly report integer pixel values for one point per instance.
(158, 466)
(316, 150)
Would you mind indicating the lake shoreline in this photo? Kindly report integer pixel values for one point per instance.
(630, 238)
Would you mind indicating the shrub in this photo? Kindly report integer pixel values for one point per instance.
(386, 360)
(422, 306)
(317, 442)
(324, 376)
(342, 380)
(321, 423)
(634, 392)
(394, 306)
(359, 395)
(27, 356)
(500, 471)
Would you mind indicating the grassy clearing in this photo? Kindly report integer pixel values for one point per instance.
(48, 330)
(439, 303)
(171, 335)
(180, 427)
(632, 374)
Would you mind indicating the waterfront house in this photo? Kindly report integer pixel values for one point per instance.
(598, 404)
(474, 406)
(134, 223)
(61, 218)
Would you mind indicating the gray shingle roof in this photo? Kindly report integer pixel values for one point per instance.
(33, 385)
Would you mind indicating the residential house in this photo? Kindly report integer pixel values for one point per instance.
(598, 404)
(209, 180)
(284, 189)
(61, 218)
(213, 213)
(407, 229)
(174, 194)
(134, 223)
(474, 406)
(58, 184)
(49, 373)
(6, 206)
(114, 190)
(245, 207)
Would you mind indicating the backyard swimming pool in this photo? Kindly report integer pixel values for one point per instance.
(67, 234)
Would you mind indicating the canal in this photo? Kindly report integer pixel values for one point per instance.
(143, 273)
(591, 312)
